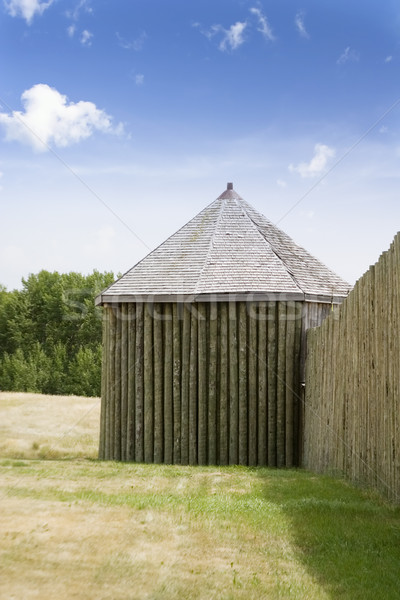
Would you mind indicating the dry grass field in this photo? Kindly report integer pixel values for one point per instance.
(77, 528)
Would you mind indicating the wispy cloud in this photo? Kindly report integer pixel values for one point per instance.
(301, 28)
(86, 38)
(26, 9)
(136, 44)
(82, 6)
(139, 79)
(71, 30)
(49, 119)
(233, 37)
(349, 55)
(317, 164)
(388, 59)
(263, 25)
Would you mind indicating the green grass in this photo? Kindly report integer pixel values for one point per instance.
(282, 534)
(84, 529)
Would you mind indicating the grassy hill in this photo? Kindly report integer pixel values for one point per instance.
(77, 528)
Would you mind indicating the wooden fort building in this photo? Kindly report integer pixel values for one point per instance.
(203, 343)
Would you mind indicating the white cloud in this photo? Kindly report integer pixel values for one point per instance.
(299, 21)
(82, 6)
(264, 26)
(71, 30)
(86, 38)
(388, 59)
(348, 55)
(139, 79)
(233, 37)
(318, 163)
(49, 119)
(26, 9)
(136, 44)
(281, 183)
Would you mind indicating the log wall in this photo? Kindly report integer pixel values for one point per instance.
(202, 383)
(352, 408)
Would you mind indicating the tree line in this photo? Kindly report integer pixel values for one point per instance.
(50, 334)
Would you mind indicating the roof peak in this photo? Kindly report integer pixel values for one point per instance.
(229, 193)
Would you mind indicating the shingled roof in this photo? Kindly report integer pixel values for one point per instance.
(229, 250)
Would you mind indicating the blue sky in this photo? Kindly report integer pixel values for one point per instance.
(120, 120)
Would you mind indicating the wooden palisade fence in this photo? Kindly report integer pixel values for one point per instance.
(202, 383)
(352, 406)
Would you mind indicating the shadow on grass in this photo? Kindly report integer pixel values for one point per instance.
(347, 539)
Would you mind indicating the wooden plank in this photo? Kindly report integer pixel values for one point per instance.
(168, 385)
(131, 325)
(290, 383)
(262, 385)
(281, 387)
(158, 384)
(202, 383)
(111, 377)
(185, 385)
(104, 387)
(148, 385)
(213, 381)
(253, 384)
(224, 386)
(176, 333)
(193, 388)
(233, 385)
(242, 370)
(123, 318)
(272, 364)
(297, 440)
(117, 387)
(139, 384)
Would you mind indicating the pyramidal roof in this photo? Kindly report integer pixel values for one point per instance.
(228, 249)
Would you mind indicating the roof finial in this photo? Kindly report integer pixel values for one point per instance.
(229, 186)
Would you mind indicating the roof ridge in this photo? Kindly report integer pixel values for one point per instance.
(211, 244)
(268, 241)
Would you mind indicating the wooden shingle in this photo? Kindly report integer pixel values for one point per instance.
(228, 250)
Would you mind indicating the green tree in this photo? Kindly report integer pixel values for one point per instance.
(50, 333)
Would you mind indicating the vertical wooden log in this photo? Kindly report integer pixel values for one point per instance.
(185, 385)
(224, 386)
(281, 386)
(158, 384)
(289, 391)
(253, 384)
(272, 364)
(131, 325)
(233, 386)
(213, 421)
(110, 379)
(242, 371)
(117, 385)
(193, 387)
(139, 383)
(148, 385)
(297, 385)
(202, 383)
(176, 333)
(263, 379)
(104, 391)
(123, 317)
(168, 385)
